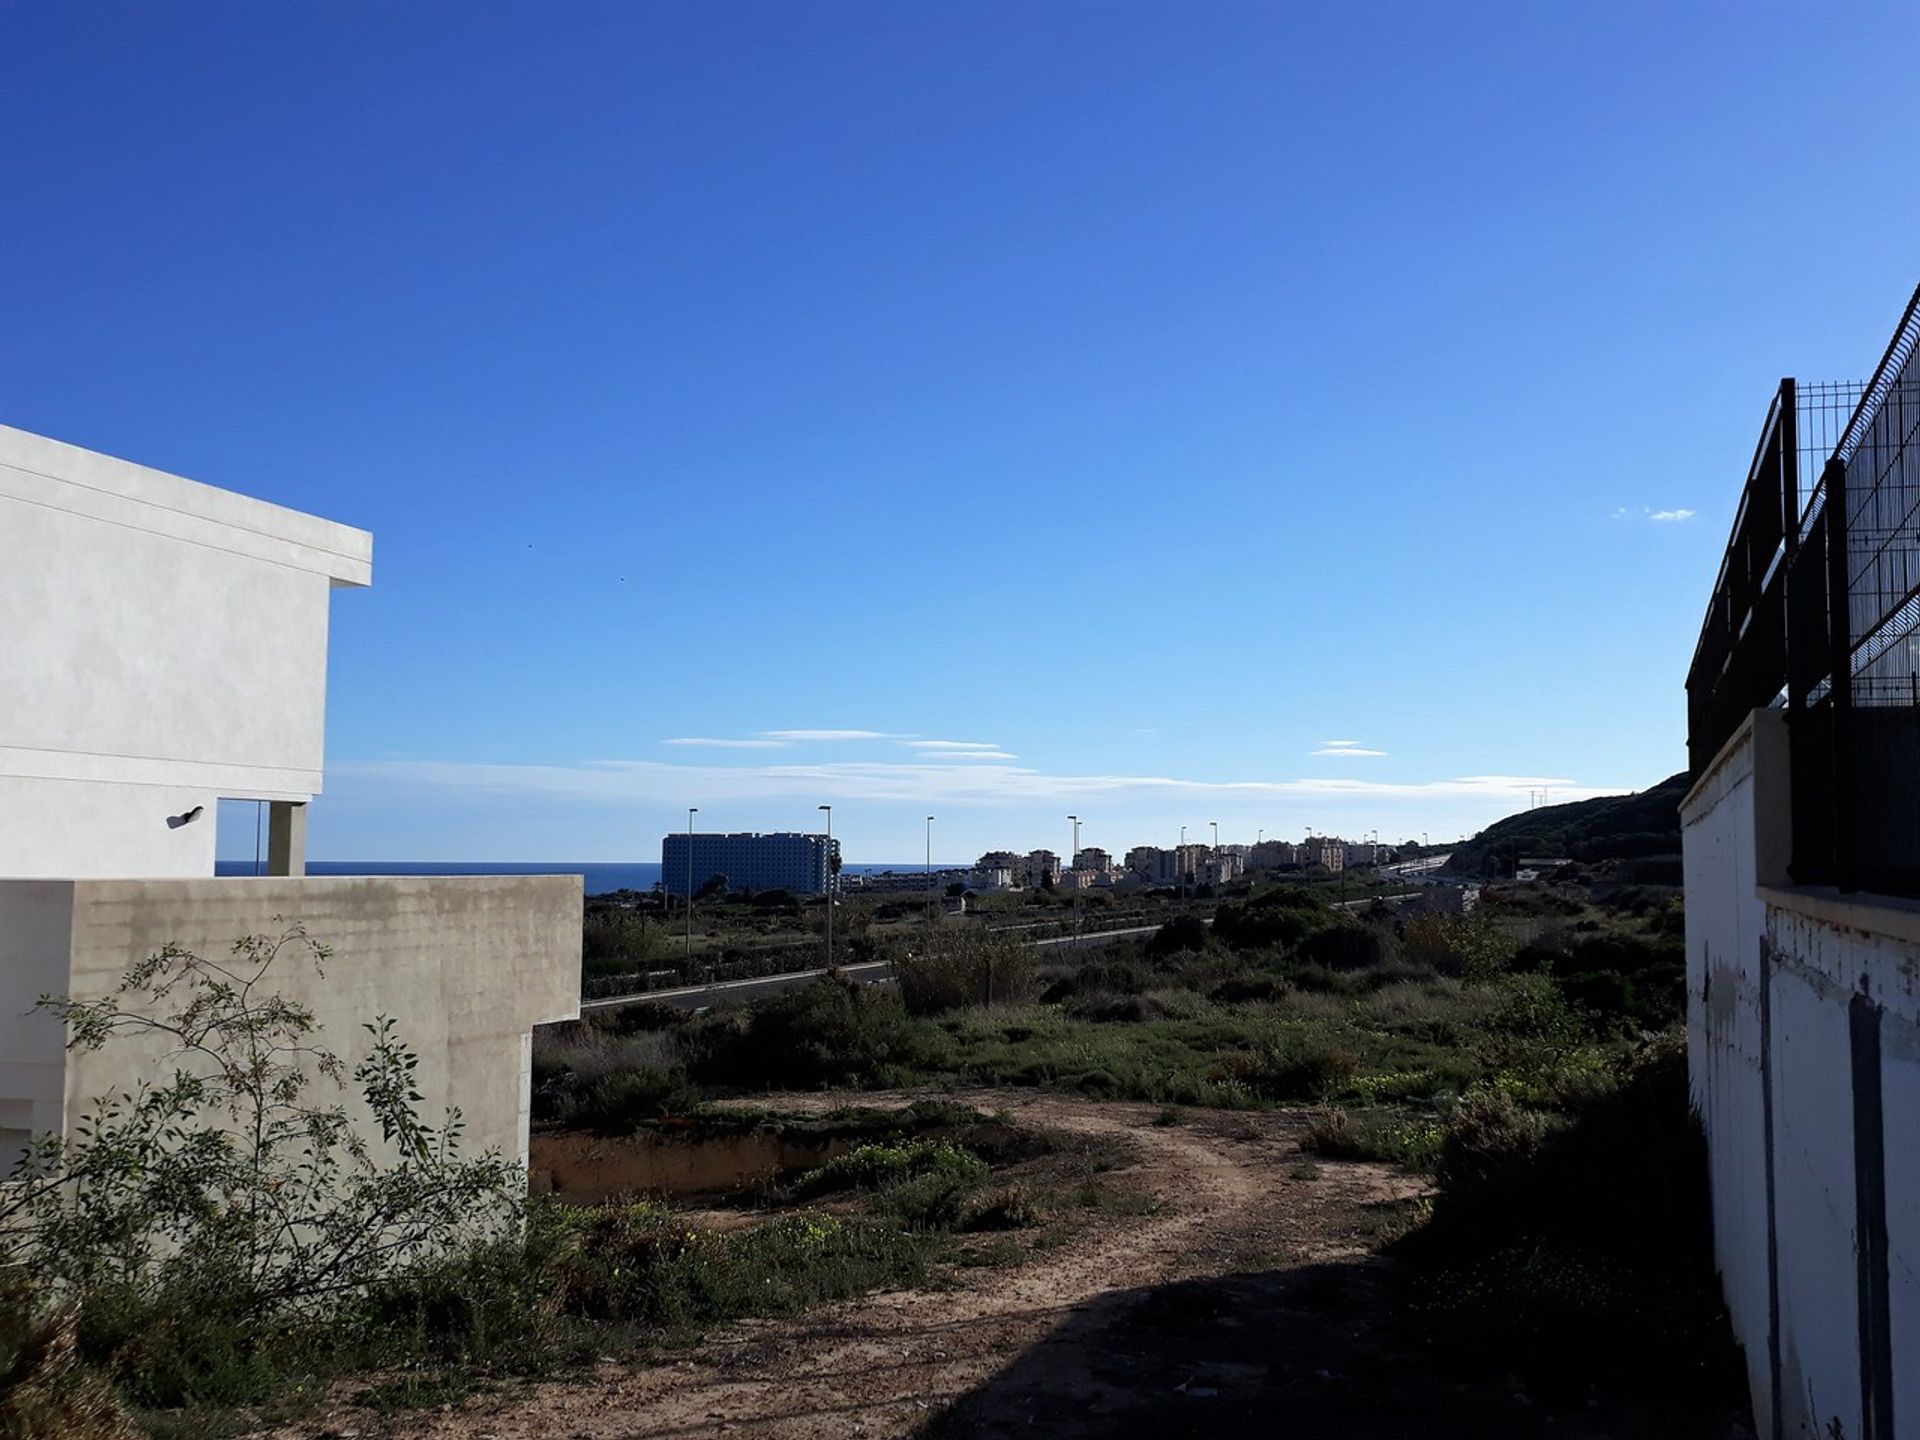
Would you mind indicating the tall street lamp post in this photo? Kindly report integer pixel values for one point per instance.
(830, 879)
(692, 810)
(929, 872)
(1076, 879)
(1219, 870)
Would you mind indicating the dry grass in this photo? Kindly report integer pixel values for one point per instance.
(592, 1053)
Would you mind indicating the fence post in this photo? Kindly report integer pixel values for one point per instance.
(1839, 670)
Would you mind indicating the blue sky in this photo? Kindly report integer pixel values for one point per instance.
(1142, 396)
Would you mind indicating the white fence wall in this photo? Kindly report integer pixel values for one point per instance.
(1804, 1041)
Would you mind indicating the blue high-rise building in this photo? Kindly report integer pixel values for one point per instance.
(751, 861)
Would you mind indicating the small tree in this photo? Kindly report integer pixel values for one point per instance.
(222, 1185)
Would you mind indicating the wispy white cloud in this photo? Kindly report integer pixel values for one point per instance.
(990, 783)
(1647, 512)
(1347, 747)
(716, 743)
(829, 735)
(950, 745)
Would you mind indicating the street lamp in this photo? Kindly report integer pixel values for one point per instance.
(830, 879)
(1075, 862)
(692, 810)
(929, 872)
(1180, 863)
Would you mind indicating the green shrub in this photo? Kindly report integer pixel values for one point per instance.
(875, 1166)
(200, 1223)
(1583, 1249)
(1011, 1207)
(640, 1263)
(1180, 934)
(616, 941)
(934, 1201)
(1344, 946)
(1458, 945)
(1343, 1135)
(46, 1388)
(1295, 1067)
(620, 1103)
(830, 1031)
(1257, 924)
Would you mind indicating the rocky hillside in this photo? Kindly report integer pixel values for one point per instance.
(1638, 827)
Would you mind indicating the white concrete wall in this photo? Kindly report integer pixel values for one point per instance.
(164, 645)
(467, 966)
(1725, 922)
(1772, 973)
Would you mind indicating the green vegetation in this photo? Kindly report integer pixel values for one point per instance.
(1573, 1247)
(213, 1247)
(1525, 1056)
(882, 1166)
(1284, 1000)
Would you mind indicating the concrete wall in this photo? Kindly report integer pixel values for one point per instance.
(1804, 1043)
(467, 966)
(165, 645)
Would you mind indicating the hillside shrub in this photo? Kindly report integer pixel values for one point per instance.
(829, 1031)
(1344, 945)
(1180, 934)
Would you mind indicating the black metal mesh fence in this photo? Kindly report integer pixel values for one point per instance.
(1833, 619)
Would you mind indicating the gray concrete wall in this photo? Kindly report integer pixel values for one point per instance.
(1803, 1027)
(466, 966)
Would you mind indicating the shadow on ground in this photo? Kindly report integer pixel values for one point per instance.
(1298, 1354)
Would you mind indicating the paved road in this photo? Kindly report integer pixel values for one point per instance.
(740, 992)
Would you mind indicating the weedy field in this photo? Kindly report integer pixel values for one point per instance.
(1364, 1172)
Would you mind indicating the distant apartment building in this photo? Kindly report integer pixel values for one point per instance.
(1329, 854)
(1272, 854)
(1077, 879)
(1364, 853)
(750, 861)
(1094, 859)
(1150, 863)
(1041, 868)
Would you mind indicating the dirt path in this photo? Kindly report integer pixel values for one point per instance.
(1234, 1198)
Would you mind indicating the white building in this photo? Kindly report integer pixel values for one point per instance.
(163, 646)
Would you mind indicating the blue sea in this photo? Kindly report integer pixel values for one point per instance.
(600, 877)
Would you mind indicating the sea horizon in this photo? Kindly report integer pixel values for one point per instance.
(600, 877)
